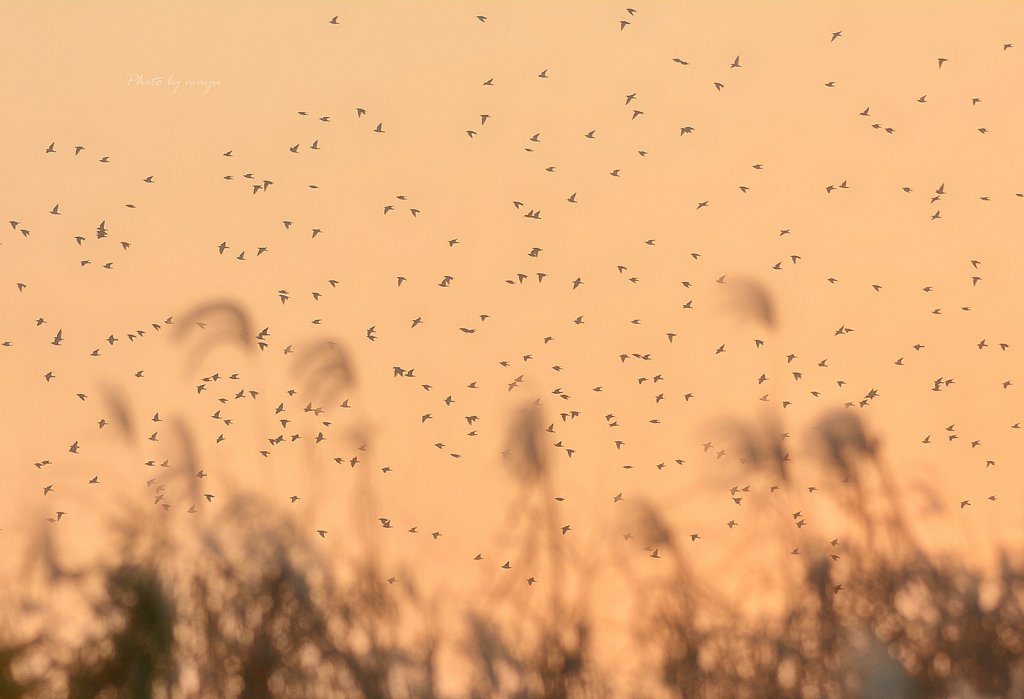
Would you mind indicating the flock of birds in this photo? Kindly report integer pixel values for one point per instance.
(108, 248)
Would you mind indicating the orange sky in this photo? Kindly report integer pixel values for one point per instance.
(419, 70)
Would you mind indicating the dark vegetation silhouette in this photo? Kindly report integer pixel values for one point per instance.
(244, 604)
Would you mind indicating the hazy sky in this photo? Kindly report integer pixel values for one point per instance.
(167, 91)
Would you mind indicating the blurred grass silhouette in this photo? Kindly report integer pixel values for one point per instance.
(242, 605)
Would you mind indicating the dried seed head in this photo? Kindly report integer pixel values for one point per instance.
(528, 460)
(751, 299)
(845, 440)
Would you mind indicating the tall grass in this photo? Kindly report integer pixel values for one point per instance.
(242, 604)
